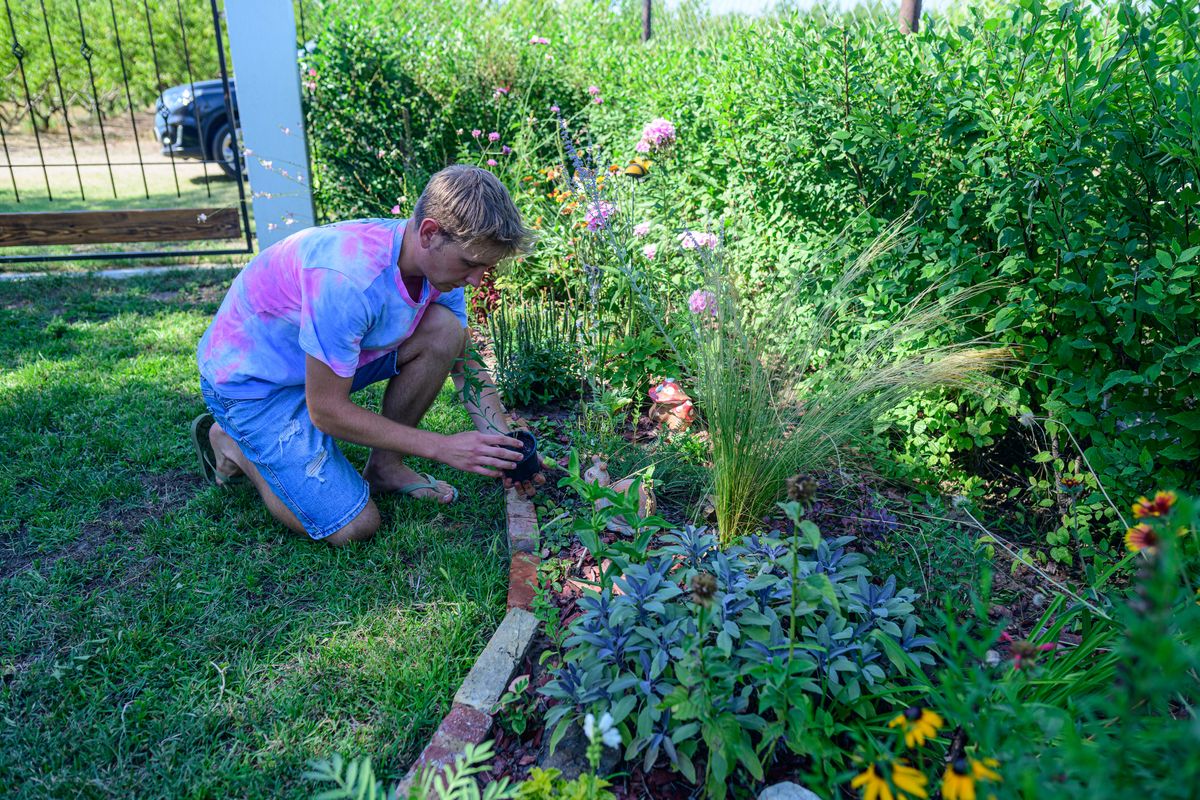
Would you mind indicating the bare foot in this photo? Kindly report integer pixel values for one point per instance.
(224, 448)
(392, 477)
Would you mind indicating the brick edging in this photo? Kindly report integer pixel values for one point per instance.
(470, 719)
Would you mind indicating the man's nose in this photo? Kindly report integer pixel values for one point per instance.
(476, 277)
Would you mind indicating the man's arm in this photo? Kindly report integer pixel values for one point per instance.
(333, 412)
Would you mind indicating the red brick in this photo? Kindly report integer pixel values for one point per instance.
(465, 724)
(522, 580)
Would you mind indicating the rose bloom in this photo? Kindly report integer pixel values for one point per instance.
(641, 229)
(650, 251)
(597, 214)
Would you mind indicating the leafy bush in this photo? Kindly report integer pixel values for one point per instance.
(536, 356)
(778, 645)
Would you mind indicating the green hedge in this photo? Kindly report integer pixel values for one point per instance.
(1054, 149)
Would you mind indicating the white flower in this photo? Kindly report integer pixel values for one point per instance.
(1027, 419)
(310, 45)
(589, 727)
(202, 218)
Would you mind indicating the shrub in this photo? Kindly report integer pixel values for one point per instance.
(778, 644)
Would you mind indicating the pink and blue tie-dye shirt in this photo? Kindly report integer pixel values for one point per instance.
(333, 292)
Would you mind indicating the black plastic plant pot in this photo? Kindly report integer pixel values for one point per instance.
(530, 464)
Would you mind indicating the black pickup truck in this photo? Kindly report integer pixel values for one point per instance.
(192, 122)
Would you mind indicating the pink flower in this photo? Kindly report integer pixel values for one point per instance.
(493, 137)
(312, 73)
(691, 240)
(491, 162)
(554, 109)
(396, 209)
(505, 150)
(657, 135)
(702, 301)
(539, 40)
(593, 90)
(499, 91)
(650, 251)
(641, 229)
(598, 100)
(476, 133)
(310, 85)
(597, 214)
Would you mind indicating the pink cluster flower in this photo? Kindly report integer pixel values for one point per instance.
(491, 162)
(702, 301)
(499, 91)
(650, 251)
(641, 229)
(554, 109)
(593, 90)
(597, 214)
(506, 150)
(493, 137)
(396, 209)
(658, 134)
(477, 133)
(692, 240)
(538, 40)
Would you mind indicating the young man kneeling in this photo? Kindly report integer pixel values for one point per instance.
(330, 310)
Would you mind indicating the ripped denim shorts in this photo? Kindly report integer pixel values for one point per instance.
(304, 467)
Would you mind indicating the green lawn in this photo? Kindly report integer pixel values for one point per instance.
(161, 638)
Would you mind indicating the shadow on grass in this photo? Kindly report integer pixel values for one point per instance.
(163, 638)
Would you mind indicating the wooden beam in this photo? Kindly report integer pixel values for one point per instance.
(97, 227)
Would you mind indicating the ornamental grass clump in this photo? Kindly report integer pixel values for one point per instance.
(777, 394)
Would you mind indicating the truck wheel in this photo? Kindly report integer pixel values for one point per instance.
(224, 150)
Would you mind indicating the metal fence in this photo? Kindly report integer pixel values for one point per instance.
(118, 126)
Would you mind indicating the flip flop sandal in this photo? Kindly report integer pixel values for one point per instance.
(204, 451)
(430, 482)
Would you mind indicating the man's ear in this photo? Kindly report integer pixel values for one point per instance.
(428, 230)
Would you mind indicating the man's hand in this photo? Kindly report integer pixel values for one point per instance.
(486, 454)
(526, 488)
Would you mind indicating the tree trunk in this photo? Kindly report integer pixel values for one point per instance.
(910, 16)
(645, 20)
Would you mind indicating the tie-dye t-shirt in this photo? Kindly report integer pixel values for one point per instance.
(333, 292)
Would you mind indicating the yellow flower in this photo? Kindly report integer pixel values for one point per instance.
(908, 780)
(1141, 537)
(961, 776)
(1158, 507)
(905, 782)
(918, 723)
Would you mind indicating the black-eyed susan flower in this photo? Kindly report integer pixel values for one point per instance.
(958, 783)
(1141, 537)
(1158, 507)
(890, 780)
(918, 723)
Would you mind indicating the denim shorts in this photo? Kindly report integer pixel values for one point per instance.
(304, 466)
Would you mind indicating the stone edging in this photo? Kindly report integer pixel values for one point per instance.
(470, 718)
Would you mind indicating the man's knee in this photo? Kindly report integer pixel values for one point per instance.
(440, 331)
(361, 529)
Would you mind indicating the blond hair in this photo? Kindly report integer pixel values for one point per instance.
(474, 209)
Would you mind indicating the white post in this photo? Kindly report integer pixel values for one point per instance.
(262, 41)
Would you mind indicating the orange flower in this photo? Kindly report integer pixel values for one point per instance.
(1141, 537)
(1158, 507)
